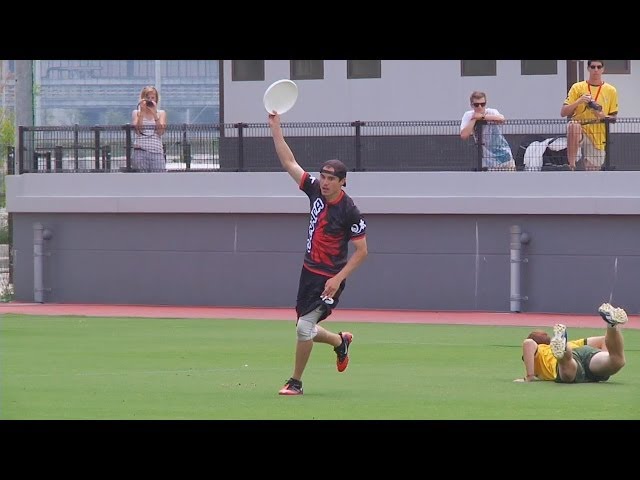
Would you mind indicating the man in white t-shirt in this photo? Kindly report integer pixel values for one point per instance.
(496, 152)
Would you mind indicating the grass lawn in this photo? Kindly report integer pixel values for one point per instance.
(81, 368)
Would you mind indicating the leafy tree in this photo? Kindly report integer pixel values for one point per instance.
(7, 138)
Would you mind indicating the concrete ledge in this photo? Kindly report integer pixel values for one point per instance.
(584, 193)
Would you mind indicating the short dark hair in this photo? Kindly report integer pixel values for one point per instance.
(339, 169)
(476, 95)
(590, 61)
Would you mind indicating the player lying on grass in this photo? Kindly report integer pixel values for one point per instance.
(592, 359)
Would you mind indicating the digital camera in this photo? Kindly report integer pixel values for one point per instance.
(150, 103)
(595, 106)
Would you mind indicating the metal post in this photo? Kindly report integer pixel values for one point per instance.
(186, 155)
(96, 148)
(358, 139)
(76, 149)
(40, 234)
(479, 126)
(127, 147)
(57, 153)
(186, 148)
(21, 154)
(240, 126)
(517, 239)
(106, 157)
(607, 144)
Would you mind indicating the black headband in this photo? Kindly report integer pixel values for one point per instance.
(339, 174)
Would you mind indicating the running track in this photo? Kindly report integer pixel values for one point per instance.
(342, 315)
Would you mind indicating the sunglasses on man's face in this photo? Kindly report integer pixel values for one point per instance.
(479, 104)
(593, 67)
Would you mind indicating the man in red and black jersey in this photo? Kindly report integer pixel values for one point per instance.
(334, 221)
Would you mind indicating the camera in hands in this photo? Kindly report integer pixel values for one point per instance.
(150, 103)
(594, 106)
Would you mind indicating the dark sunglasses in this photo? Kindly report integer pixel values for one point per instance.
(479, 104)
(593, 67)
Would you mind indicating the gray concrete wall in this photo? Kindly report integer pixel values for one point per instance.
(437, 240)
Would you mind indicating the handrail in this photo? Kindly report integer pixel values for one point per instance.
(362, 145)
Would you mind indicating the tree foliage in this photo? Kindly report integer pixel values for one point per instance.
(7, 138)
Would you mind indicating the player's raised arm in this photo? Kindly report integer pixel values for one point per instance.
(285, 155)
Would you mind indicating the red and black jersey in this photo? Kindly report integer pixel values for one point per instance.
(331, 226)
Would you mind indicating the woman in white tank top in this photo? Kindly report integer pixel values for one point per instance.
(150, 124)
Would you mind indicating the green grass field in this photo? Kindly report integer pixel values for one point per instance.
(154, 369)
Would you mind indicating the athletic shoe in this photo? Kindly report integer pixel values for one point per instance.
(559, 340)
(612, 315)
(342, 351)
(291, 387)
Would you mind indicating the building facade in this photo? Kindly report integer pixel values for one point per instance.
(414, 90)
(91, 92)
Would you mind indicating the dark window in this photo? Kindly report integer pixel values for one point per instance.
(307, 69)
(364, 69)
(478, 68)
(539, 67)
(617, 66)
(247, 70)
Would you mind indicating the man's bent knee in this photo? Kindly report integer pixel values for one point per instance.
(306, 330)
(306, 327)
(616, 364)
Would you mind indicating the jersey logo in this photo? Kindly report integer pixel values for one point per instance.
(358, 227)
(316, 210)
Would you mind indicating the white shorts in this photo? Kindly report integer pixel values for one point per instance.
(594, 155)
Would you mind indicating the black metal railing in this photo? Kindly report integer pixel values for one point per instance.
(362, 146)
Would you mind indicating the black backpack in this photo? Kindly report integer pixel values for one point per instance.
(553, 160)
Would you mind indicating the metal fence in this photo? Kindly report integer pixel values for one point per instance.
(362, 146)
(5, 251)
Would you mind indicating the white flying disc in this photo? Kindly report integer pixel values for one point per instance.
(280, 96)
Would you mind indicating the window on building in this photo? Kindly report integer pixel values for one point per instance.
(307, 69)
(617, 66)
(478, 68)
(364, 69)
(247, 70)
(539, 67)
